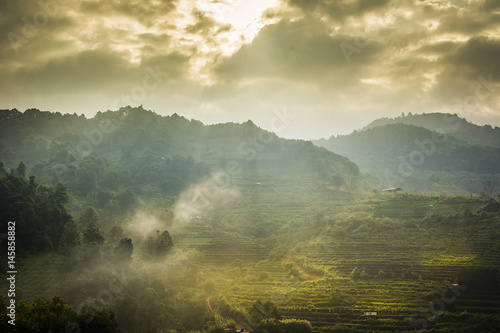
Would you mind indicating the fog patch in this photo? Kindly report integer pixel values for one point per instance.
(144, 223)
(202, 198)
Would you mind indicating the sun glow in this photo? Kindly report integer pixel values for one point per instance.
(240, 14)
(244, 16)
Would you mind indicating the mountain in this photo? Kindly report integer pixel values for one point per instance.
(155, 153)
(417, 158)
(449, 124)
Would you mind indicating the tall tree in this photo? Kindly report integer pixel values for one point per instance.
(158, 247)
(21, 170)
(123, 251)
(88, 216)
(88, 182)
(92, 234)
(70, 238)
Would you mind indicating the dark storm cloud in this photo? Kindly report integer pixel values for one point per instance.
(464, 64)
(54, 60)
(25, 22)
(481, 54)
(298, 50)
(473, 19)
(94, 70)
(491, 5)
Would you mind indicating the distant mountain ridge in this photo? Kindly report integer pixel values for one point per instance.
(450, 124)
(381, 147)
(430, 153)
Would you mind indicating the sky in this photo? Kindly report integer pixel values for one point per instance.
(322, 67)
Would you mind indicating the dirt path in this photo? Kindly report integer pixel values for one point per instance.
(209, 305)
(312, 277)
(209, 298)
(288, 257)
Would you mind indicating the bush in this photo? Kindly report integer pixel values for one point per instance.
(296, 326)
(284, 326)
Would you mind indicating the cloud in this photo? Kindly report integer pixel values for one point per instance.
(341, 9)
(405, 56)
(417, 58)
(148, 13)
(464, 67)
(303, 50)
(480, 53)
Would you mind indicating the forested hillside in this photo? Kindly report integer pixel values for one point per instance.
(449, 124)
(116, 158)
(419, 159)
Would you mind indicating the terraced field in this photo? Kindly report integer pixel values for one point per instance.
(391, 276)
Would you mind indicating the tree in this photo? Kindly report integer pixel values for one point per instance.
(91, 320)
(164, 243)
(92, 234)
(21, 170)
(340, 298)
(265, 318)
(127, 200)
(55, 315)
(336, 180)
(488, 186)
(262, 311)
(123, 251)
(296, 326)
(88, 216)
(111, 180)
(39, 211)
(116, 232)
(58, 195)
(44, 315)
(269, 326)
(70, 238)
(357, 273)
(167, 216)
(158, 247)
(88, 182)
(3, 171)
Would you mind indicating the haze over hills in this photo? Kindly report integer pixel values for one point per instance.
(132, 216)
(406, 151)
(449, 124)
(428, 152)
(214, 212)
(145, 146)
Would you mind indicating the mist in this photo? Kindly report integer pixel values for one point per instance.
(200, 199)
(144, 223)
